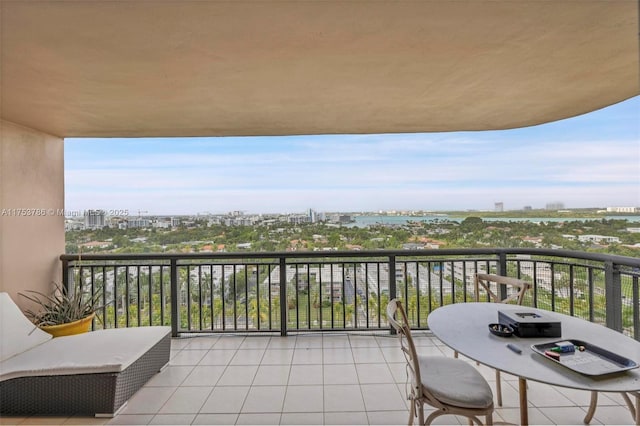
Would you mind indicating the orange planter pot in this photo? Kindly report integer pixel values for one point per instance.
(75, 327)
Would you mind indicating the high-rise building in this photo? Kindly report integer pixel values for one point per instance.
(138, 222)
(94, 219)
(499, 207)
(555, 205)
(622, 209)
(313, 216)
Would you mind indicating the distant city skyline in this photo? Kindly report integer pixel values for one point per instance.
(591, 160)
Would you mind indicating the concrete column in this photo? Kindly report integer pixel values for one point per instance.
(31, 203)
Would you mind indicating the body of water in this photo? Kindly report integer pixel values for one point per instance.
(363, 221)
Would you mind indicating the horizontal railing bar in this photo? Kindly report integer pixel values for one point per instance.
(375, 254)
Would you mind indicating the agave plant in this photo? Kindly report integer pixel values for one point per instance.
(60, 307)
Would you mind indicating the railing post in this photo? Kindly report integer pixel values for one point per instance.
(65, 274)
(283, 296)
(636, 317)
(502, 270)
(613, 296)
(392, 287)
(591, 286)
(174, 297)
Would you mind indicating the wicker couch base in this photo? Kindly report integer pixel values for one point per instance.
(81, 394)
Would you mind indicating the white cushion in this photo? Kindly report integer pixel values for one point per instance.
(17, 333)
(455, 382)
(102, 351)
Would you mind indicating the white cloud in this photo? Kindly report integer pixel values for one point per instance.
(358, 172)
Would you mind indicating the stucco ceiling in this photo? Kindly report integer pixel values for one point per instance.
(189, 68)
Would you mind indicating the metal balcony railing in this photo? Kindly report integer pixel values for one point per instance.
(285, 292)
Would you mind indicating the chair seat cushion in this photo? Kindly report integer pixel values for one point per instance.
(454, 382)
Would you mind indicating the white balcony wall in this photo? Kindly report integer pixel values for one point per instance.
(31, 203)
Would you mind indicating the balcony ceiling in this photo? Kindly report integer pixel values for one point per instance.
(208, 68)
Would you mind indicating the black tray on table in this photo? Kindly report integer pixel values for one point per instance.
(592, 361)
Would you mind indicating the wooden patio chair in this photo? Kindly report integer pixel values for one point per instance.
(521, 287)
(485, 281)
(451, 386)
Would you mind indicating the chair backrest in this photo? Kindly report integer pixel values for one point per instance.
(398, 320)
(485, 281)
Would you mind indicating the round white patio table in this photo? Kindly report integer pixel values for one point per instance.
(464, 328)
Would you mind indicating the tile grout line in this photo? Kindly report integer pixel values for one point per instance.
(286, 390)
(180, 385)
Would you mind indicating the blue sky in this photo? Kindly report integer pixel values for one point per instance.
(587, 161)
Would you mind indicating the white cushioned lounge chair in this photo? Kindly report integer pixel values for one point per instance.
(93, 373)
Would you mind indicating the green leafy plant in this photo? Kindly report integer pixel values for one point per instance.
(61, 307)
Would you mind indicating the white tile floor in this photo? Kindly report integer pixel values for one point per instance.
(313, 379)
